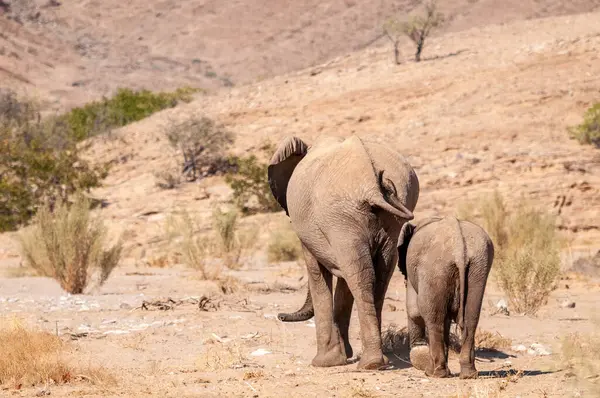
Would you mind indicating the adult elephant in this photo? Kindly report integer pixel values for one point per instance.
(347, 201)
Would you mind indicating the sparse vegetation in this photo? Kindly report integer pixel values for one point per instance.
(526, 260)
(581, 352)
(284, 245)
(39, 162)
(34, 357)
(68, 244)
(250, 184)
(202, 143)
(231, 242)
(31, 357)
(417, 28)
(588, 132)
(126, 106)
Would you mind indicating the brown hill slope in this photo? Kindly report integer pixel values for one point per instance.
(491, 117)
(82, 49)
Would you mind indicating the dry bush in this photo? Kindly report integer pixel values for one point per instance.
(284, 245)
(231, 242)
(253, 374)
(31, 358)
(230, 285)
(167, 180)
(195, 248)
(488, 341)
(527, 259)
(202, 143)
(68, 244)
(582, 356)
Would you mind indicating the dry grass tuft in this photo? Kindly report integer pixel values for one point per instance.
(231, 242)
(220, 357)
(360, 392)
(488, 341)
(202, 251)
(67, 244)
(395, 340)
(526, 261)
(582, 356)
(284, 245)
(31, 358)
(253, 375)
(230, 285)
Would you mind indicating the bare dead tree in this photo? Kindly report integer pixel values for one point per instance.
(418, 27)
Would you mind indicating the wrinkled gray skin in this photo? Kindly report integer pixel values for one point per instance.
(446, 263)
(347, 201)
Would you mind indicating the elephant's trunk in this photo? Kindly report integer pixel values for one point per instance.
(303, 314)
(461, 263)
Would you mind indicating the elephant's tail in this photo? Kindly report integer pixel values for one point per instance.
(460, 258)
(303, 314)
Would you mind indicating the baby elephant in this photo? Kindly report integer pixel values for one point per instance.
(446, 263)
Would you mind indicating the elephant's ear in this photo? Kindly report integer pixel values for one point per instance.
(403, 240)
(289, 153)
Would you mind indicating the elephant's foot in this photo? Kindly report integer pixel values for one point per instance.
(419, 357)
(335, 356)
(439, 372)
(373, 362)
(468, 372)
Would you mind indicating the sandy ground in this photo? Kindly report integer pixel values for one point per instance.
(189, 352)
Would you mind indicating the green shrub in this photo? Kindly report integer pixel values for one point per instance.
(127, 106)
(588, 132)
(39, 161)
(67, 244)
(250, 183)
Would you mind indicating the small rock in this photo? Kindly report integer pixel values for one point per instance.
(519, 348)
(502, 307)
(567, 304)
(125, 306)
(539, 349)
(390, 307)
(260, 352)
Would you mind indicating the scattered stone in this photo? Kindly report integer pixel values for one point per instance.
(260, 352)
(502, 308)
(125, 306)
(538, 349)
(567, 304)
(519, 348)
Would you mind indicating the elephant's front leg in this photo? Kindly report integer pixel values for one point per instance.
(330, 350)
(342, 311)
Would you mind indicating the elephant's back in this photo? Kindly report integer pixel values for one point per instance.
(478, 242)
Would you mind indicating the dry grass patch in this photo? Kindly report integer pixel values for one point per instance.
(209, 252)
(253, 374)
(34, 357)
(31, 358)
(581, 354)
(527, 246)
(68, 244)
(284, 245)
(220, 357)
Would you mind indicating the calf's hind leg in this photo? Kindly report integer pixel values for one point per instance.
(434, 308)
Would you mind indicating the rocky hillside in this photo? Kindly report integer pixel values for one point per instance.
(69, 52)
(488, 109)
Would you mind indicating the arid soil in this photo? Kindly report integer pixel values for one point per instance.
(487, 109)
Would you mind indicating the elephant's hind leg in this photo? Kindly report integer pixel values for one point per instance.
(360, 277)
(342, 311)
(434, 308)
(330, 349)
(419, 350)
